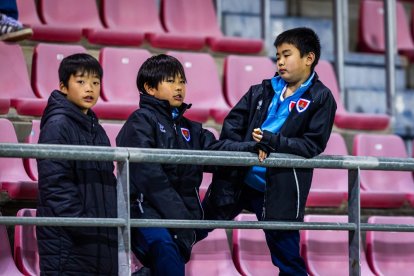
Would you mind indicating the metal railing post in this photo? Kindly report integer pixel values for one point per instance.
(265, 24)
(390, 53)
(341, 42)
(354, 216)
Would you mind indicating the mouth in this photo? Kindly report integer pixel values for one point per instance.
(178, 98)
(88, 99)
(281, 71)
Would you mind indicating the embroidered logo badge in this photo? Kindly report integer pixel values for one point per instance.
(162, 128)
(291, 105)
(186, 134)
(302, 105)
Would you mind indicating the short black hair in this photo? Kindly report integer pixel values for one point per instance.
(305, 39)
(78, 63)
(157, 69)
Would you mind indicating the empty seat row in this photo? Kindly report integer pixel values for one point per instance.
(129, 23)
(324, 251)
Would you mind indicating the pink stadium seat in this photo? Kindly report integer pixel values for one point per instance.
(4, 105)
(83, 15)
(13, 177)
(326, 251)
(391, 253)
(211, 256)
(207, 177)
(343, 118)
(198, 18)
(33, 138)
(250, 252)
(28, 15)
(327, 190)
(241, 72)
(371, 29)
(7, 265)
(14, 81)
(203, 87)
(45, 78)
(26, 253)
(383, 189)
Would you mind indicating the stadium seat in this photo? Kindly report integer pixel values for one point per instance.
(30, 164)
(326, 251)
(84, 16)
(198, 19)
(28, 16)
(250, 252)
(383, 189)
(343, 118)
(203, 87)
(211, 256)
(326, 190)
(371, 35)
(4, 105)
(241, 72)
(207, 177)
(390, 253)
(14, 180)
(14, 81)
(7, 265)
(26, 253)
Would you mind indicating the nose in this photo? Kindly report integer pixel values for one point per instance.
(89, 86)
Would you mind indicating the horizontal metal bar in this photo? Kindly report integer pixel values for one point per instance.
(60, 221)
(220, 158)
(387, 227)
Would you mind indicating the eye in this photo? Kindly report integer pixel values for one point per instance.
(96, 83)
(182, 81)
(80, 81)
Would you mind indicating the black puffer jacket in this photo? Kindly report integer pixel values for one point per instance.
(304, 133)
(167, 191)
(69, 188)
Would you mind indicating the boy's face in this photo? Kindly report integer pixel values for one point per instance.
(171, 89)
(83, 90)
(291, 66)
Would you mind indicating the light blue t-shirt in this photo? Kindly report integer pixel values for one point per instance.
(279, 110)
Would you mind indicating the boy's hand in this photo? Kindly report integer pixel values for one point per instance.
(262, 155)
(257, 134)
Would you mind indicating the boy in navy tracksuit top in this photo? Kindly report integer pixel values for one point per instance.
(290, 113)
(76, 188)
(164, 191)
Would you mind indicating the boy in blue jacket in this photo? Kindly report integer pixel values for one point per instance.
(164, 191)
(292, 112)
(75, 188)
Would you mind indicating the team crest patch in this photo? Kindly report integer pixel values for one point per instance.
(302, 105)
(291, 105)
(186, 134)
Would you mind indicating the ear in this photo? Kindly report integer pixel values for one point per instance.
(63, 88)
(150, 90)
(310, 58)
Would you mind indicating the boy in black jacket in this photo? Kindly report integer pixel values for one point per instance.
(163, 191)
(291, 113)
(74, 188)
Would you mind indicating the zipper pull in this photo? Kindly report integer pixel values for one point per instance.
(140, 200)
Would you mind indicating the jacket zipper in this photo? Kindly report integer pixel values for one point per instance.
(199, 203)
(298, 192)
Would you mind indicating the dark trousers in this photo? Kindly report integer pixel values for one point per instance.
(155, 248)
(9, 8)
(283, 245)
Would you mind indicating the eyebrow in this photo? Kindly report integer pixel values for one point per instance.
(285, 52)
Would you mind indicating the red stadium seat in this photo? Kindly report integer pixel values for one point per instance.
(383, 189)
(343, 118)
(250, 252)
(203, 87)
(207, 177)
(371, 29)
(84, 16)
(241, 72)
(391, 253)
(198, 19)
(33, 138)
(26, 253)
(13, 178)
(7, 265)
(14, 81)
(327, 190)
(28, 16)
(211, 256)
(326, 251)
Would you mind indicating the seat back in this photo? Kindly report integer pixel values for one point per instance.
(250, 252)
(28, 12)
(70, 13)
(45, 65)
(112, 131)
(211, 256)
(33, 138)
(325, 251)
(26, 253)
(7, 265)
(121, 65)
(241, 72)
(134, 15)
(197, 17)
(380, 145)
(390, 253)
